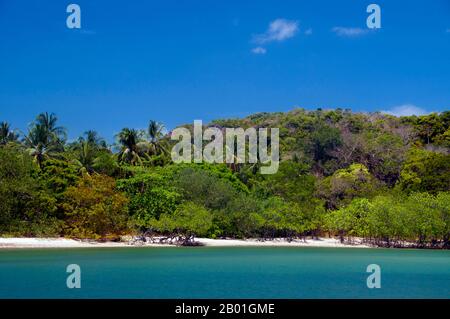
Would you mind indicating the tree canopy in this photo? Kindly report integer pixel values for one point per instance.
(383, 178)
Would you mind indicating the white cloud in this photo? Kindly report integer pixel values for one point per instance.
(405, 110)
(259, 50)
(349, 32)
(308, 31)
(279, 30)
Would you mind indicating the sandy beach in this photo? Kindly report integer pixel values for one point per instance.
(11, 243)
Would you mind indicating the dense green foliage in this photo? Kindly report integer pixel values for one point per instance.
(375, 176)
(389, 220)
(27, 206)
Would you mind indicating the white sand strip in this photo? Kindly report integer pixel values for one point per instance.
(71, 243)
(52, 243)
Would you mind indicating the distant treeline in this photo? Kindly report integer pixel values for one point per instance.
(383, 178)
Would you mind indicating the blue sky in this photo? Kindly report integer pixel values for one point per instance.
(176, 61)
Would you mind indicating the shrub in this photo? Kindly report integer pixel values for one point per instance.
(94, 208)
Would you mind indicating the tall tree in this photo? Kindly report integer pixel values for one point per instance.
(45, 139)
(93, 138)
(48, 122)
(85, 156)
(155, 133)
(133, 147)
(6, 134)
(430, 126)
(87, 149)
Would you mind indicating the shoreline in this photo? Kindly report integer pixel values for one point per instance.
(25, 243)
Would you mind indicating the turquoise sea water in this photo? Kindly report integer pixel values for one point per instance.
(232, 272)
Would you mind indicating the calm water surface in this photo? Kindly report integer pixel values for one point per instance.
(232, 272)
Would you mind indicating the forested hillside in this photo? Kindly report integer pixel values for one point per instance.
(376, 176)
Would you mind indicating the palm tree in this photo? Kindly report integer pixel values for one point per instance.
(48, 121)
(44, 138)
(132, 145)
(155, 130)
(93, 138)
(40, 145)
(155, 133)
(86, 155)
(87, 149)
(6, 134)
